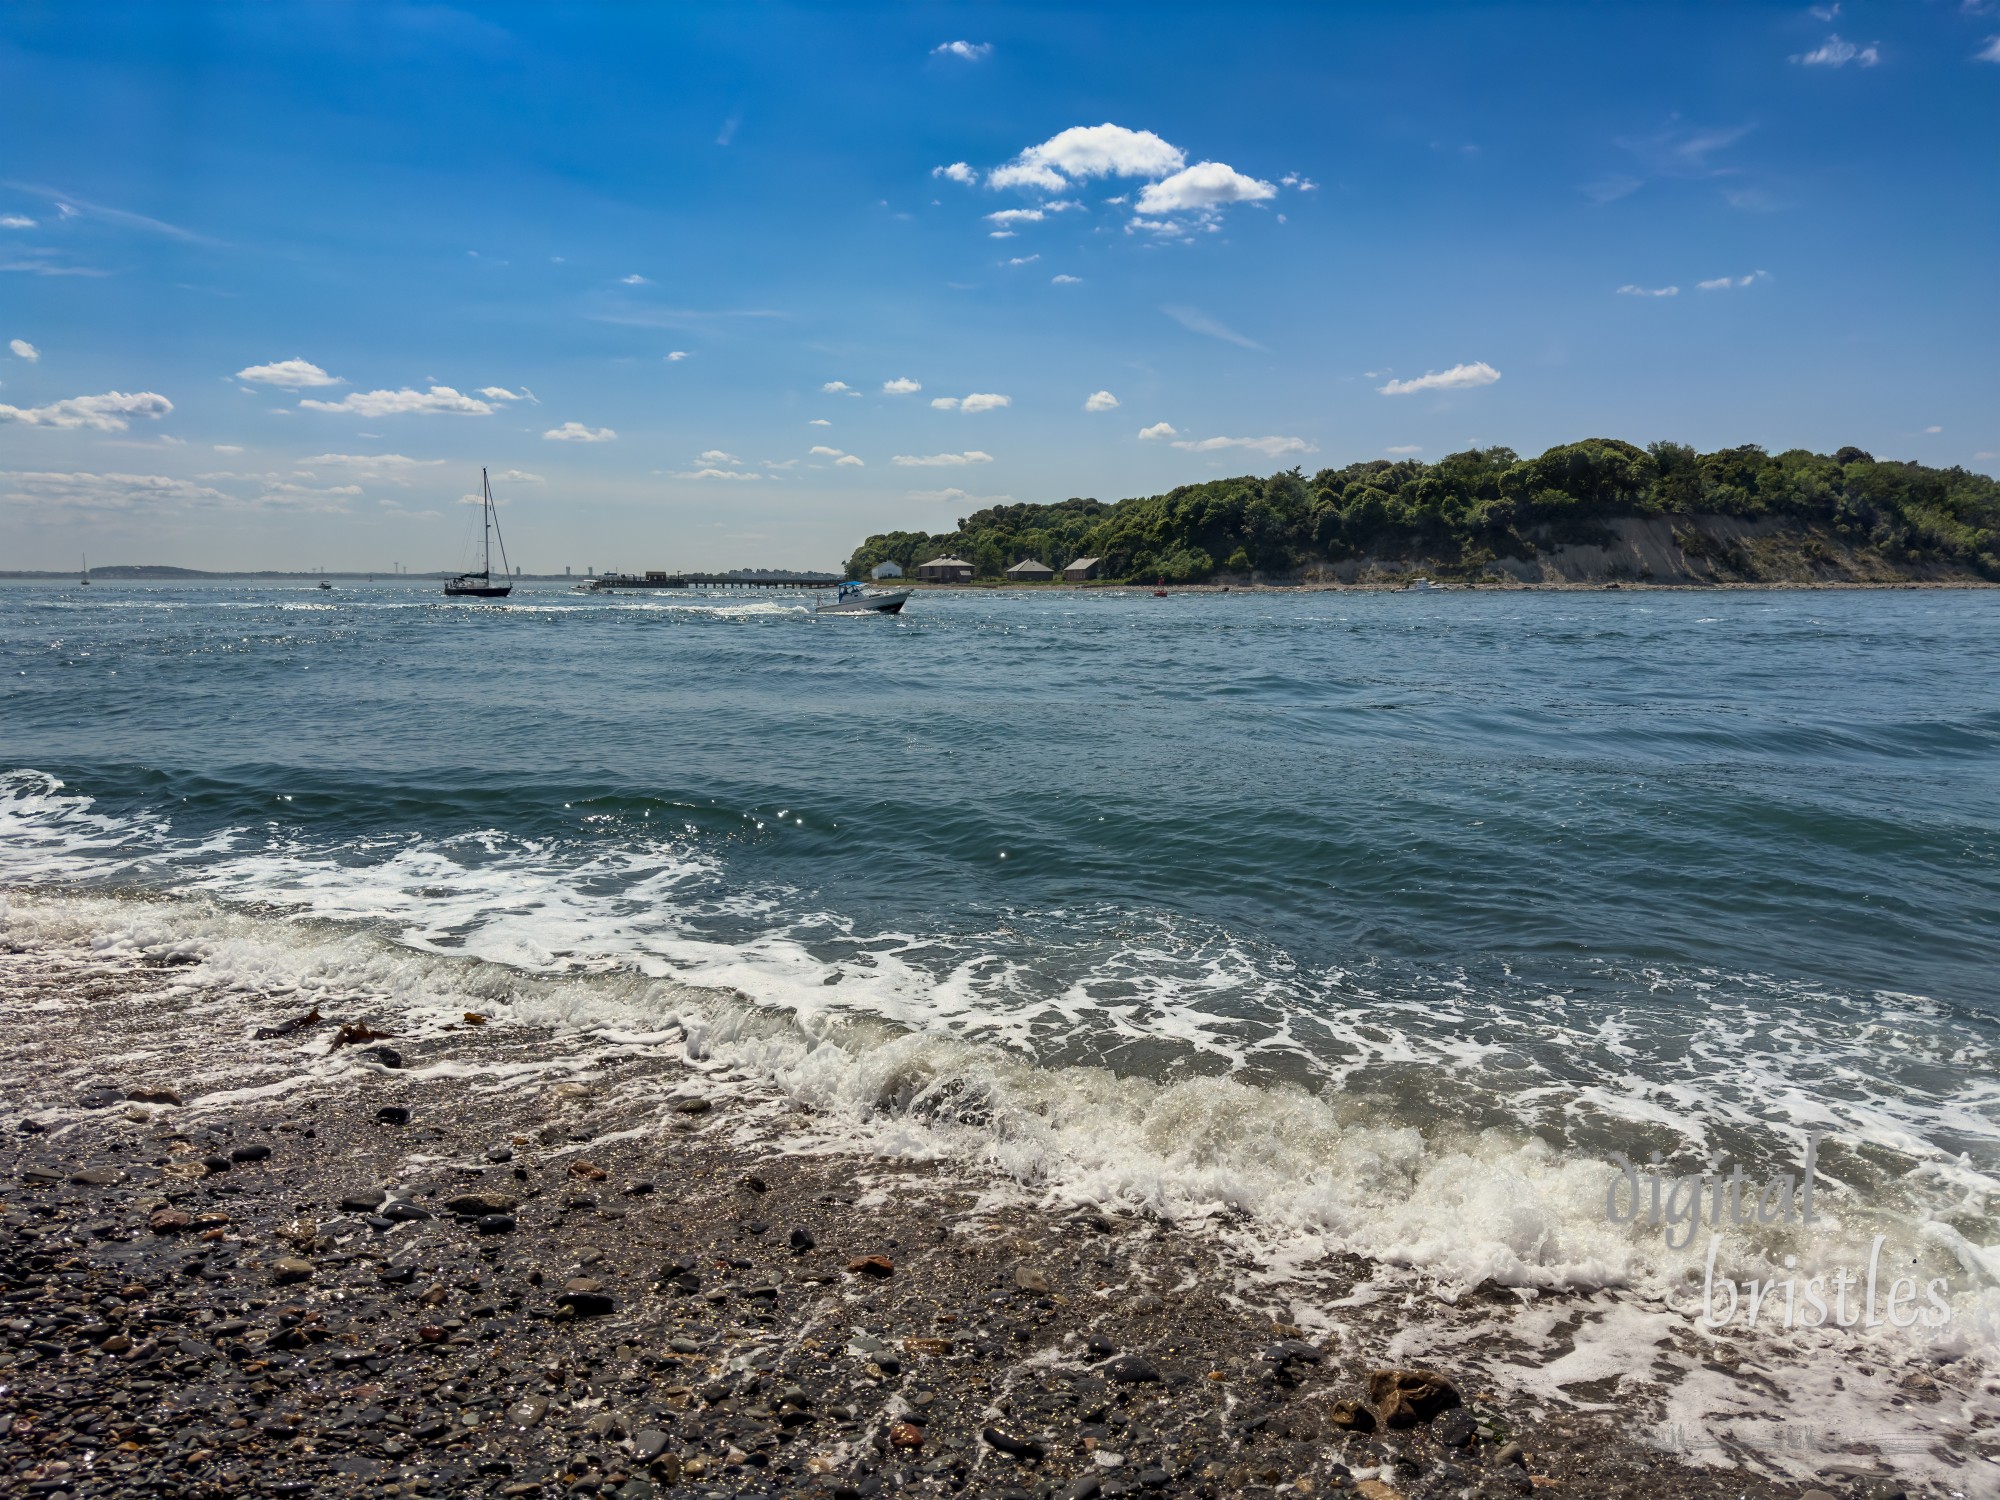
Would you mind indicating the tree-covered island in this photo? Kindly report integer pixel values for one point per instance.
(1597, 509)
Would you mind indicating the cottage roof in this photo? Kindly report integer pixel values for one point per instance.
(1082, 562)
(1031, 565)
(945, 562)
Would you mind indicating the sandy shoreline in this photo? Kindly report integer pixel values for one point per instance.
(620, 1269)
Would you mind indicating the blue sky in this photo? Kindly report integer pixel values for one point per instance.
(276, 279)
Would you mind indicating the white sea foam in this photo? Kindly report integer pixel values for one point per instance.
(1452, 1137)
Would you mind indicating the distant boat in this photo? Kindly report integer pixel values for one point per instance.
(1418, 586)
(85, 580)
(324, 584)
(853, 599)
(480, 585)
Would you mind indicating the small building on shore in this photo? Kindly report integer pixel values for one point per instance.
(1031, 570)
(1082, 570)
(886, 570)
(945, 570)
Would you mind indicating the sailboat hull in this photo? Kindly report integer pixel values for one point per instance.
(477, 591)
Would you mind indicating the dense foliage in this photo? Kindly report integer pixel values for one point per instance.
(1471, 507)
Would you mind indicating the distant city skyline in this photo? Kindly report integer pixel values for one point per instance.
(713, 286)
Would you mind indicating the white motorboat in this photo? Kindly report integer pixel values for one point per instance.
(857, 599)
(1418, 586)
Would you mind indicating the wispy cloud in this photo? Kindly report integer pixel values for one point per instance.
(292, 374)
(840, 460)
(717, 456)
(941, 460)
(392, 468)
(839, 388)
(1629, 290)
(1835, 52)
(635, 279)
(576, 432)
(1270, 447)
(439, 399)
(675, 356)
(1157, 430)
(24, 350)
(1196, 321)
(902, 385)
(712, 473)
(1066, 281)
(1100, 401)
(1457, 378)
(16, 221)
(955, 496)
(1724, 283)
(106, 492)
(819, 422)
(1404, 450)
(69, 206)
(977, 402)
(110, 412)
(1990, 52)
(969, 51)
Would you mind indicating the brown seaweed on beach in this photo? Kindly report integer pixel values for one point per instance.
(287, 1028)
(354, 1033)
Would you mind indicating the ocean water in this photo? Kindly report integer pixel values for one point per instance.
(1357, 921)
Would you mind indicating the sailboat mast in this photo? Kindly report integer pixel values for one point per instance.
(486, 511)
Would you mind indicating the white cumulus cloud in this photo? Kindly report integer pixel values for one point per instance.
(716, 474)
(820, 450)
(1086, 151)
(1630, 290)
(675, 356)
(16, 221)
(717, 456)
(1457, 378)
(24, 350)
(438, 399)
(941, 460)
(1008, 216)
(1270, 447)
(501, 393)
(1100, 401)
(977, 402)
(847, 461)
(635, 279)
(902, 385)
(970, 51)
(1835, 52)
(576, 432)
(839, 388)
(293, 374)
(110, 412)
(1157, 430)
(958, 171)
(1066, 281)
(819, 422)
(1205, 185)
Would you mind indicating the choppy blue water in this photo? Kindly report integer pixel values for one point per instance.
(1688, 872)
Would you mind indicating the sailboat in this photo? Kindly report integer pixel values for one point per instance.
(85, 580)
(480, 585)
